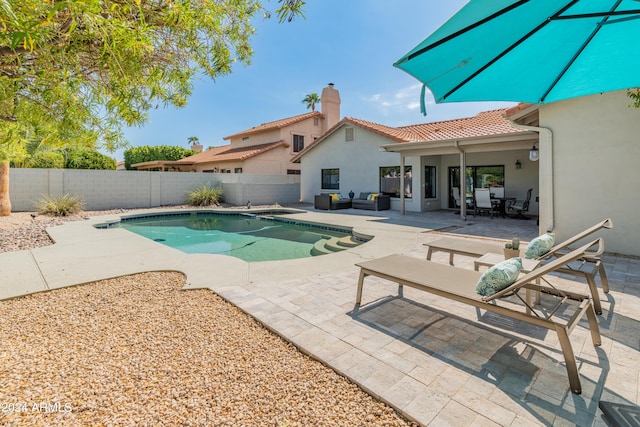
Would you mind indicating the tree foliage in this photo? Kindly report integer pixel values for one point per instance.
(85, 68)
(150, 153)
(634, 94)
(311, 100)
(78, 70)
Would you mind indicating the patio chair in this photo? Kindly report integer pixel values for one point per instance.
(482, 201)
(520, 206)
(457, 200)
(459, 285)
(587, 267)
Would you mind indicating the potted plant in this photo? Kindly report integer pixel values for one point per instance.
(512, 250)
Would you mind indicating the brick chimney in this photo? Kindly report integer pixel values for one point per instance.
(330, 100)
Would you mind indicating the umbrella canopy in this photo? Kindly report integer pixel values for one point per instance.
(535, 51)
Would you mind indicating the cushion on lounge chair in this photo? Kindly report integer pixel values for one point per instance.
(499, 276)
(540, 245)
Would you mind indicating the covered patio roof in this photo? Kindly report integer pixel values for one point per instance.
(475, 144)
(517, 140)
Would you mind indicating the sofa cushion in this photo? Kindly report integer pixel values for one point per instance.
(364, 196)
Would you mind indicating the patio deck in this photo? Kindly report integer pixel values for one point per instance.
(436, 361)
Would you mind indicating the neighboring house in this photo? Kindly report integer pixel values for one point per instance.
(264, 149)
(357, 155)
(589, 155)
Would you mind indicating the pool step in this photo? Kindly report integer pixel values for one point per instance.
(347, 242)
(327, 246)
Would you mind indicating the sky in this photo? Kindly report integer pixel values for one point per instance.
(351, 43)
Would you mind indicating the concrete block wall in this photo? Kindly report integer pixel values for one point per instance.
(102, 190)
(238, 193)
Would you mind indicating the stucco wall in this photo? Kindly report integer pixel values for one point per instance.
(595, 167)
(141, 189)
(359, 162)
(272, 162)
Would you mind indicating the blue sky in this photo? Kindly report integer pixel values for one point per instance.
(351, 43)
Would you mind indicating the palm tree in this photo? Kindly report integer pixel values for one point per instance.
(311, 100)
(193, 140)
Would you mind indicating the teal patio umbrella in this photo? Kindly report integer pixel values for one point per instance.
(535, 51)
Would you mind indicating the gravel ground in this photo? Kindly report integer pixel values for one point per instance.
(138, 351)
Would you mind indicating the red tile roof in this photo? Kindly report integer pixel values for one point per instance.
(482, 124)
(226, 153)
(278, 124)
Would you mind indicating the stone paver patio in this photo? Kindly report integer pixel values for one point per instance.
(437, 361)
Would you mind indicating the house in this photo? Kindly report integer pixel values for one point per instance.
(419, 165)
(588, 166)
(264, 149)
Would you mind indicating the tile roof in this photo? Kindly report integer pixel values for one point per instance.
(227, 153)
(482, 124)
(278, 124)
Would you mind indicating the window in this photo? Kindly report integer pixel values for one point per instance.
(330, 179)
(316, 122)
(298, 143)
(430, 182)
(245, 138)
(390, 181)
(293, 171)
(348, 134)
(237, 170)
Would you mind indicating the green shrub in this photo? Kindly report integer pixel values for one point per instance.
(204, 196)
(60, 206)
(46, 160)
(149, 153)
(88, 159)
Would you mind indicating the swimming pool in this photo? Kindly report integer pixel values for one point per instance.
(246, 236)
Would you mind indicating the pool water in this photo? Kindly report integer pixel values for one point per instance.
(246, 237)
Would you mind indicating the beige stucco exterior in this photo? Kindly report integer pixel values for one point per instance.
(360, 160)
(591, 165)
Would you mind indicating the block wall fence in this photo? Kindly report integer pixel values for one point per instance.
(102, 190)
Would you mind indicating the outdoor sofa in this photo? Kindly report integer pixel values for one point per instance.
(328, 202)
(372, 202)
(561, 311)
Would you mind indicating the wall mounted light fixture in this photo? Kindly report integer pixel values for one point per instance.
(534, 155)
(518, 164)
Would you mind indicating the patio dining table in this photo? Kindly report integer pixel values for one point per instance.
(502, 204)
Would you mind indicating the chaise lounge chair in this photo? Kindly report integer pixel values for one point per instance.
(460, 285)
(587, 266)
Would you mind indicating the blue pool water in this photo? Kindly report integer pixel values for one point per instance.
(246, 237)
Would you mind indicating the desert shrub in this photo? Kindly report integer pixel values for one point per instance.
(64, 205)
(204, 195)
(149, 153)
(46, 160)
